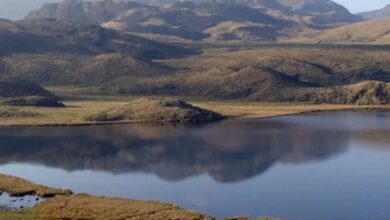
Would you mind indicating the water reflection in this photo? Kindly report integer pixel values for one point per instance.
(228, 151)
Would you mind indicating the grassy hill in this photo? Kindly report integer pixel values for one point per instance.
(157, 110)
(65, 69)
(62, 53)
(266, 74)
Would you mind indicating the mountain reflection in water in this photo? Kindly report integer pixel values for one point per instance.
(229, 151)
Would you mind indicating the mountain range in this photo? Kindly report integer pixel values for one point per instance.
(274, 50)
(203, 19)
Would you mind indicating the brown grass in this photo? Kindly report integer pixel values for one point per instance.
(266, 110)
(77, 111)
(157, 109)
(102, 208)
(19, 187)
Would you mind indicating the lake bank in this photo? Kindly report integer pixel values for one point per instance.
(82, 206)
(76, 112)
(229, 168)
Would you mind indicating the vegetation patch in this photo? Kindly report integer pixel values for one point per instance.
(34, 101)
(364, 93)
(18, 215)
(15, 113)
(157, 110)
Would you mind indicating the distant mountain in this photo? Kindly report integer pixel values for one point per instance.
(377, 14)
(318, 12)
(203, 19)
(368, 32)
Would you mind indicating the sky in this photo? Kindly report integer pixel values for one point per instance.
(17, 9)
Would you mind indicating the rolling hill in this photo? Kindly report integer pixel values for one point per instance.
(78, 51)
(268, 74)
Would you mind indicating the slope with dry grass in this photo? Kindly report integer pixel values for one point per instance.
(157, 109)
(64, 205)
(266, 74)
(20, 187)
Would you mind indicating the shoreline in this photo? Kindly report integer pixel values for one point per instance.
(235, 111)
(150, 209)
(63, 204)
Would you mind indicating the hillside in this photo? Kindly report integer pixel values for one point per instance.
(17, 88)
(265, 20)
(377, 14)
(43, 36)
(368, 32)
(83, 54)
(157, 110)
(59, 52)
(267, 74)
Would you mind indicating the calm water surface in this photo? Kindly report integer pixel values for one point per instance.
(333, 165)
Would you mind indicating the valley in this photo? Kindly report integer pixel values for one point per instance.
(225, 107)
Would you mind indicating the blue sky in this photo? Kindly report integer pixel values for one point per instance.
(17, 9)
(363, 5)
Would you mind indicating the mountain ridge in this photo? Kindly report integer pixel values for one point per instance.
(377, 14)
(192, 19)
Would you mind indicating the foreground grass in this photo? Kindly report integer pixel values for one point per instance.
(20, 187)
(19, 215)
(78, 110)
(82, 206)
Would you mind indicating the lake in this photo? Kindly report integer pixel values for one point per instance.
(330, 165)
